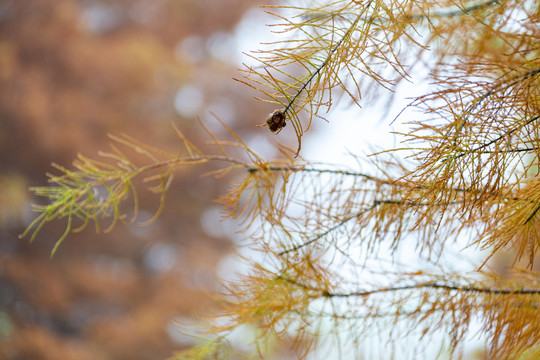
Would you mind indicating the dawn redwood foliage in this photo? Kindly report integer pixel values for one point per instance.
(353, 252)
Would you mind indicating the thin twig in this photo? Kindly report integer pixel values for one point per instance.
(498, 87)
(323, 234)
(375, 204)
(475, 289)
(326, 61)
(457, 12)
(483, 146)
(429, 285)
(532, 214)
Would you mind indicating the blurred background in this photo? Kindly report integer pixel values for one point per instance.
(72, 71)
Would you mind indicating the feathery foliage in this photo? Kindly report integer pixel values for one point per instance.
(350, 252)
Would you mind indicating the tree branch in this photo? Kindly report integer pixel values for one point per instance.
(457, 12)
(293, 168)
(323, 234)
(498, 87)
(437, 286)
(326, 61)
(441, 13)
(360, 213)
(428, 285)
(483, 146)
(532, 214)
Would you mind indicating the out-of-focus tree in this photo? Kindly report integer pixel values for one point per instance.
(70, 73)
(332, 238)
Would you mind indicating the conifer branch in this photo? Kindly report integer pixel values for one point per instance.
(301, 168)
(497, 139)
(443, 13)
(438, 286)
(428, 285)
(77, 194)
(461, 11)
(382, 181)
(376, 203)
(328, 231)
(507, 151)
(326, 61)
(535, 211)
(500, 86)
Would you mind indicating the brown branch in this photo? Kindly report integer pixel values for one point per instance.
(193, 159)
(503, 151)
(532, 215)
(326, 61)
(474, 289)
(429, 285)
(293, 168)
(465, 10)
(323, 234)
(457, 12)
(498, 87)
(356, 215)
(396, 183)
(441, 13)
(483, 146)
